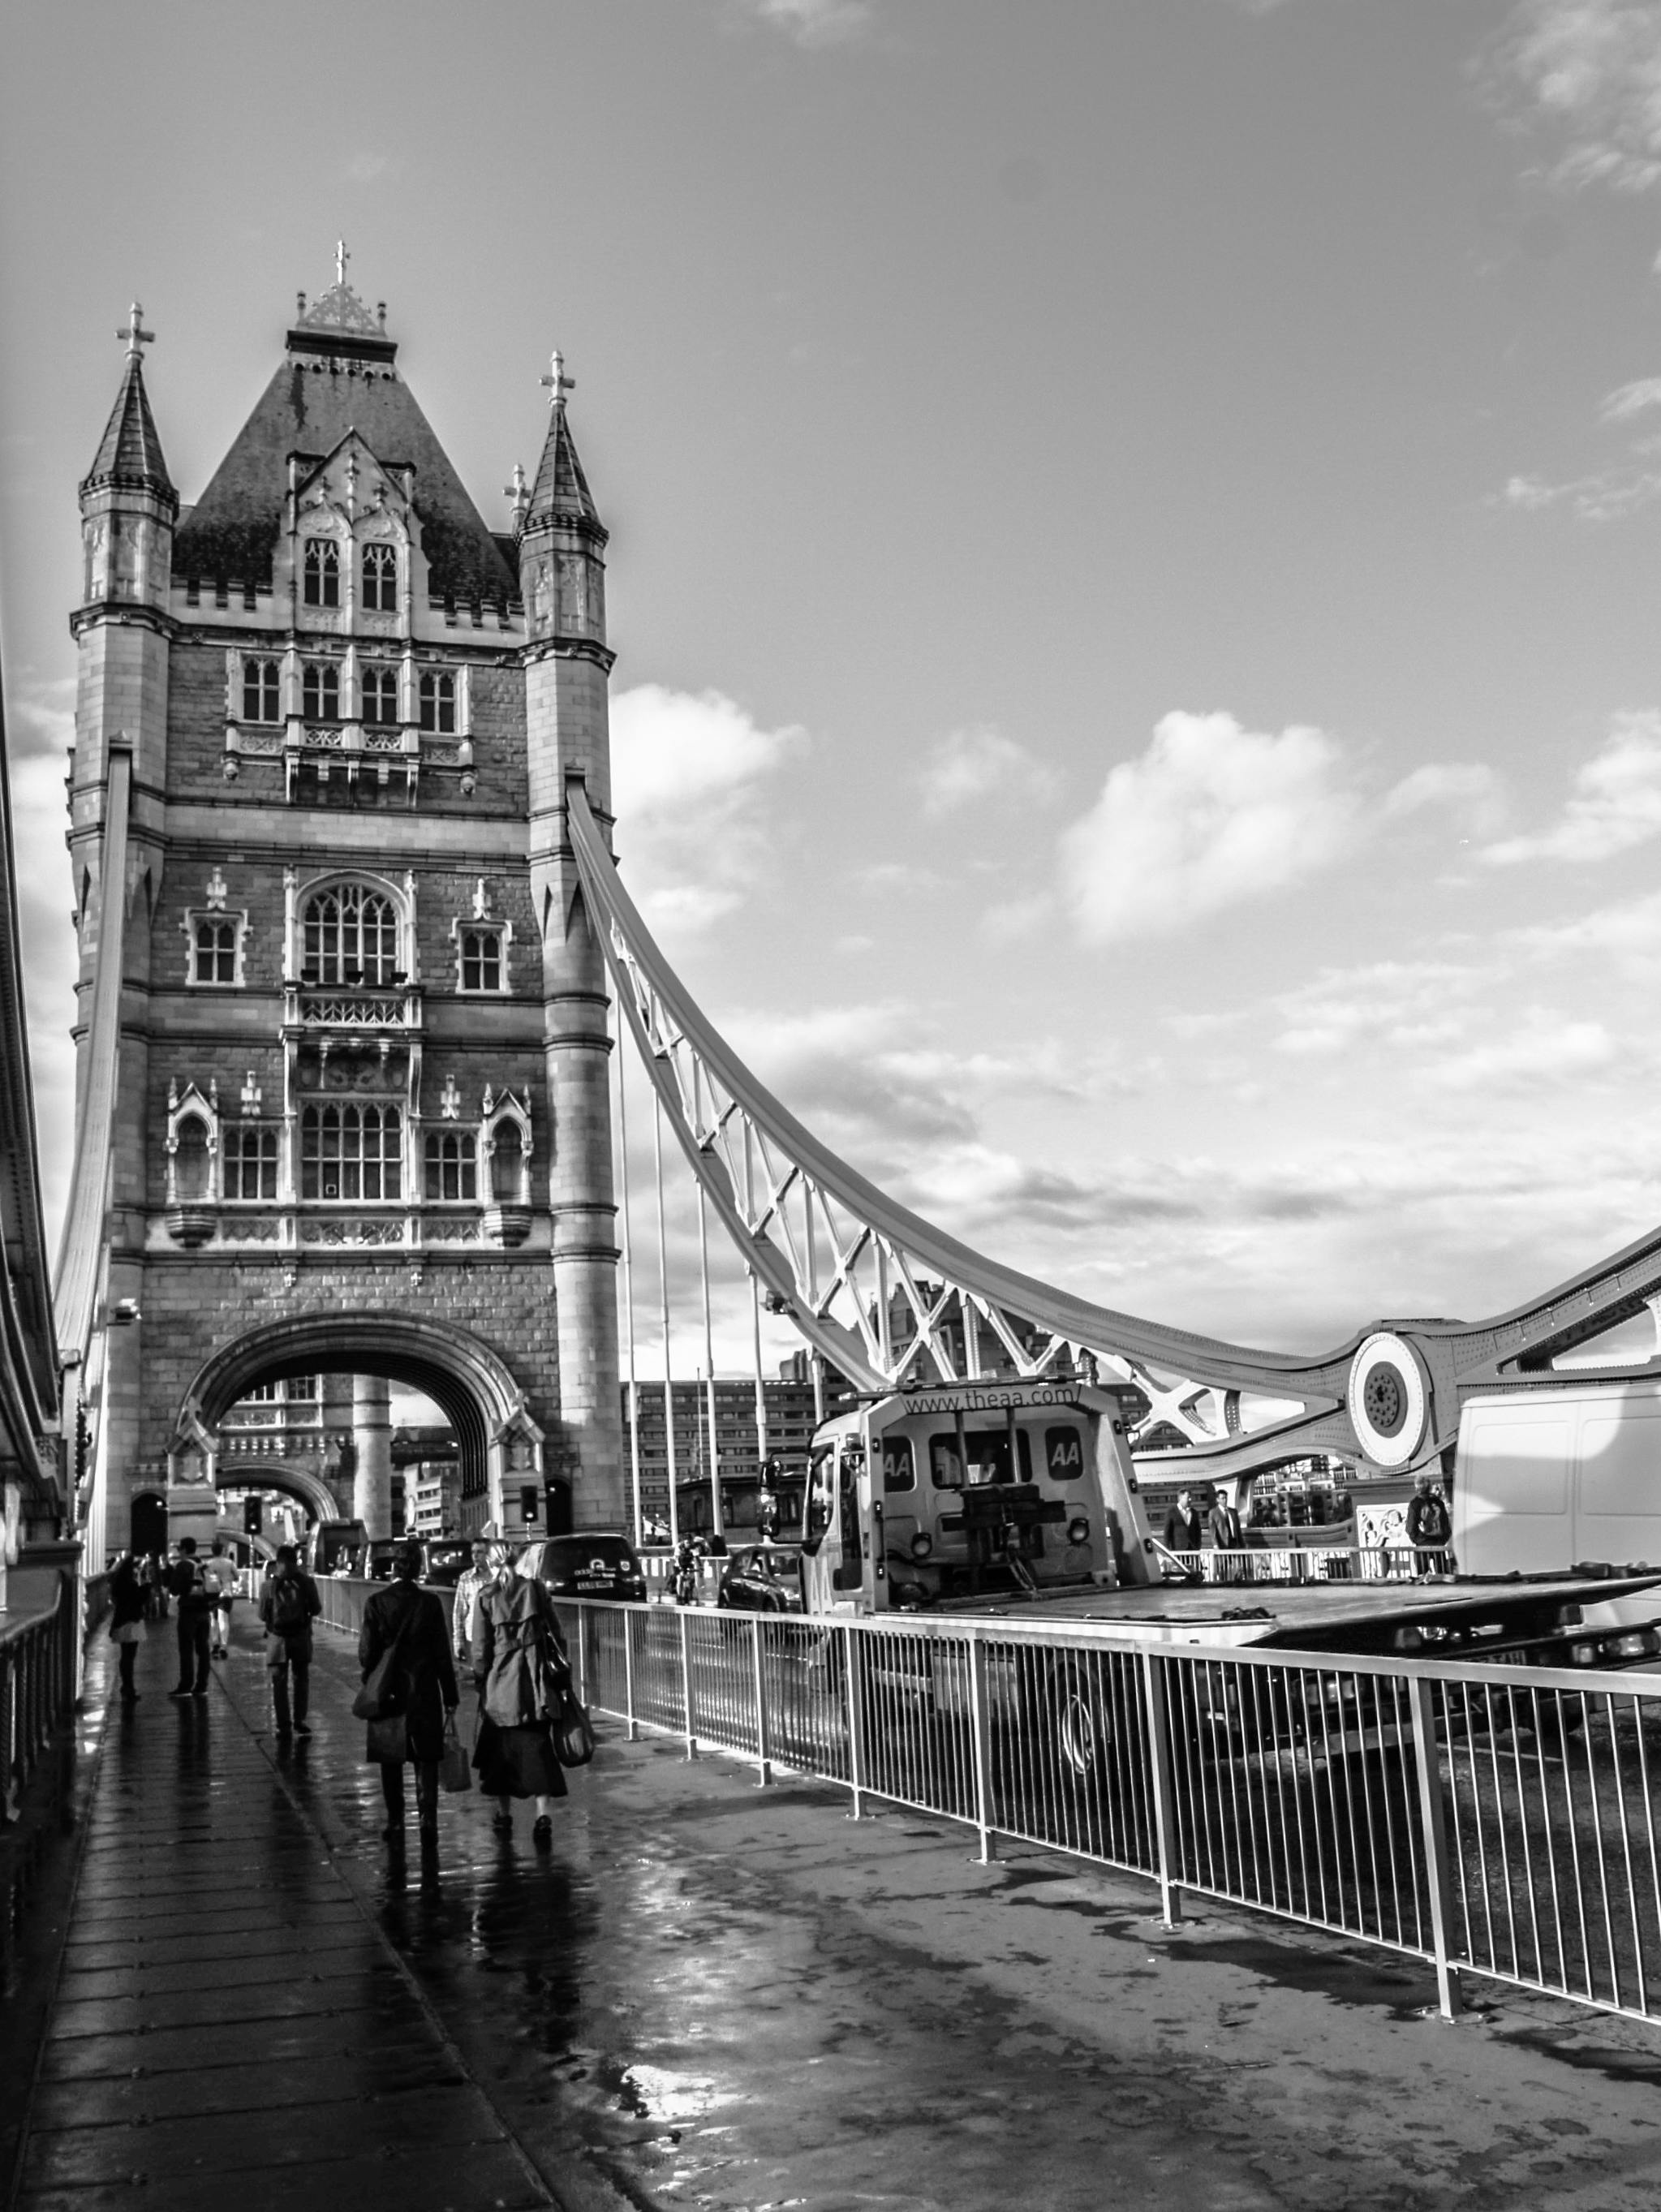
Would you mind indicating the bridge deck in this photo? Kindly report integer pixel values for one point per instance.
(714, 1994)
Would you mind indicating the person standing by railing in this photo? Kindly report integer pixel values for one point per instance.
(1429, 1529)
(1184, 1531)
(1229, 1539)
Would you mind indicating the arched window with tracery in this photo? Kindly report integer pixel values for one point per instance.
(349, 935)
(451, 1166)
(350, 1154)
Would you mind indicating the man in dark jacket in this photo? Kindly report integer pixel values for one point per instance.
(1183, 1528)
(195, 1618)
(1429, 1528)
(1227, 1536)
(287, 1606)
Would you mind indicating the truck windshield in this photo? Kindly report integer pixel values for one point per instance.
(989, 1458)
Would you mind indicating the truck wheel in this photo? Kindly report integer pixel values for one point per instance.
(1080, 1723)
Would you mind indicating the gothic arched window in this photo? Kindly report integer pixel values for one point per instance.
(451, 1166)
(214, 950)
(349, 935)
(380, 580)
(438, 704)
(380, 694)
(321, 573)
(320, 691)
(481, 959)
(350, 1153)
(261, 694)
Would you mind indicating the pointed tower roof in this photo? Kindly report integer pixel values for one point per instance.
(561, 494)
(130, 453)
(338, 374)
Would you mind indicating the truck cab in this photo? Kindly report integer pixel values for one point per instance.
(949, 1496)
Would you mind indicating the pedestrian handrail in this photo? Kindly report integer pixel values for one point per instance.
(1307, 1563)
(37, 1686)
(1498, 1820)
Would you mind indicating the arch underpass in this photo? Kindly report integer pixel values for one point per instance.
(468, 1381)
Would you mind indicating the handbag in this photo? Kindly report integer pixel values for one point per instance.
(455, 1770)
(573, 1731)
(389, 1740)
(384, 1691)
(130, 1632)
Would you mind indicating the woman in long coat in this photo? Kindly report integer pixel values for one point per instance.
(516, 1641)
(403, 1609)
(126, 1620)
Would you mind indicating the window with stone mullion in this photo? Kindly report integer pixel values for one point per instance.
(351, 1154)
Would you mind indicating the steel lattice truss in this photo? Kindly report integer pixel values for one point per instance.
(886, 1297)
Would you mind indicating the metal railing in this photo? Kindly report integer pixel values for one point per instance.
(1495, 1819)
(38, 1684)
(1309, 1562)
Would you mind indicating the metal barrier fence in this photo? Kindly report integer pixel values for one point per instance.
(1311, 1562)
(1495, 1819)
(38, 1683)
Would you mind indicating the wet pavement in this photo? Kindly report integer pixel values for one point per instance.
(709, 1994)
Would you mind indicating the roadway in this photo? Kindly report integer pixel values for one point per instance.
(711, 1994)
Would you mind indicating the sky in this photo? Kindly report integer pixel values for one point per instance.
(1135, 537)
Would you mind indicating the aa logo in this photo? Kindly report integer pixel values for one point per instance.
(1066, 1455)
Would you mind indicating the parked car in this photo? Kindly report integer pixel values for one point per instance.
(381, 1555)
(761, 1578)
(596, 1562)
(447, 1559)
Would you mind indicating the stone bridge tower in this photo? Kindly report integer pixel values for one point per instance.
(362, 1118)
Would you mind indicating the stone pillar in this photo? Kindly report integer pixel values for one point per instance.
(371, 1433)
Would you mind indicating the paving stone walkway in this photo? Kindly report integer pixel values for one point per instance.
(231, 2030)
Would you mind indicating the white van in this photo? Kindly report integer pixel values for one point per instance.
(1550, 1476)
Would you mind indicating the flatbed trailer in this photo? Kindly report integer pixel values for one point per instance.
(1020, 1502)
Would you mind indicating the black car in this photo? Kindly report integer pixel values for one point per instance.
(598, 1563)
(762, 1578)
(447, 1559)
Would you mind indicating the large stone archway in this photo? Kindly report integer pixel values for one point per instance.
(498, 1442)
(234, 1470)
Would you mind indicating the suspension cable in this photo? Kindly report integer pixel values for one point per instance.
(663, 1289)
(718, 1519)
(629, 1282)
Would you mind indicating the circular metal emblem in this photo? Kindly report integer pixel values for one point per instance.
(1388, 1400)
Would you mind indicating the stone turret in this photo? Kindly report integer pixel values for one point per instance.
(562, 544)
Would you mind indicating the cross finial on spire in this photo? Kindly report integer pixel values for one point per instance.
(137, 337)
(341, 257)
(518, 491)
(557, 380)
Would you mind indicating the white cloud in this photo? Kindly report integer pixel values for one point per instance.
(1212, 815)
(1628, 934)
(980, 764)
(1591, 71)
(688, 775)
(816, 22)
(1535, 1050)
(1631, 400)
(1614, 806)
(1468, 788)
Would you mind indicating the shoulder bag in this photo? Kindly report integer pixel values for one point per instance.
(384, 1691)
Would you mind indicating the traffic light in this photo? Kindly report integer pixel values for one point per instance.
(253, 1515)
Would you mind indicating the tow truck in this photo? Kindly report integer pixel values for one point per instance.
(1021, 1501)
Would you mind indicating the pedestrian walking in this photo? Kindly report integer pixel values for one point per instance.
(409, 1623)
(186, 1580)
(519, 1661)
(219, 1578)
(287, 1606)
(126, 1620)
(469, 1582)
